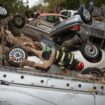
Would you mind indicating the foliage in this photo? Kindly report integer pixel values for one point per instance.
(71, 4)
(14, 5)
(18, 5)
(36, 8)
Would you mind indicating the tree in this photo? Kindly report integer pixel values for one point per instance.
(68, 4)
(71, 4)
(14, 6)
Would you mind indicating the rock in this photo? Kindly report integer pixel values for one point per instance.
(97, 12)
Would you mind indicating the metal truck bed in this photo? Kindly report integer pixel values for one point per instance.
(27, 87)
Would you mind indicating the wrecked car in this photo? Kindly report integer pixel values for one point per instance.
(60, 33)
(16, 52)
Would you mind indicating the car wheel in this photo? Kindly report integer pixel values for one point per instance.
(3, 12)
(94, 71)
(16, 55)
(89, 51)
(85, 15)
(104, 73)
(18, 21)
(15, 31)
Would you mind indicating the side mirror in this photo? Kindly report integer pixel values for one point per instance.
(85, 15)
(3, 12)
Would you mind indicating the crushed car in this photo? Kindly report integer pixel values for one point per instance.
(88, 51)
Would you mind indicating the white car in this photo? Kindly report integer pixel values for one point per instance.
(99, 63)
(93, 67)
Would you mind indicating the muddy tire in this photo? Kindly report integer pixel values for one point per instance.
(18, 21)
(15, 31)
(94, 71)
(104, 73)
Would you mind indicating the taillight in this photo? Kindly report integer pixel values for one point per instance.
(80, 66)
(75, 28)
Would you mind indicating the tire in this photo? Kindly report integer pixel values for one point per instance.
(94, 71)
(85, 15)
(104, 73)
(17, 54)
(90, 51)
(18, 21)
(15, 31)
(3, 12)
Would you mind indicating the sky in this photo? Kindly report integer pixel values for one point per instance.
(31, 2)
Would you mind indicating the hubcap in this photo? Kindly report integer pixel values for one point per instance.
(17, 55)
(18, 21)
(91, 50)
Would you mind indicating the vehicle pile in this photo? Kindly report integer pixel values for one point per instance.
(40, 35)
